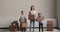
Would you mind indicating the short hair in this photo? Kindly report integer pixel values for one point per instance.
(21, 11)
(39, 13)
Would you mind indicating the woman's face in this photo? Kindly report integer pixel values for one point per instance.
(33, 8)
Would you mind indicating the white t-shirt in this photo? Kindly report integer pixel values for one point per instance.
(33, 12)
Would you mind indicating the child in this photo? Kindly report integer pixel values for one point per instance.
(39, 19)
(22, 20)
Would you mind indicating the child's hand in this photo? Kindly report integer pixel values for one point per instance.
(35, 19)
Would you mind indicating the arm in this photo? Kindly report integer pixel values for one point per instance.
(36, 19)
(25, 19)
(19, 19)
(29, 15)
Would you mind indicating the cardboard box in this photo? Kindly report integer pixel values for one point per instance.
(31, 17)
(49, 25)
(49, 22)
(39, 19)
(24, 24)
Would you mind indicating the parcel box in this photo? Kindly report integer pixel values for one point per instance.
(50, 25)
(31, 17)
(39, 19)
(24, 24)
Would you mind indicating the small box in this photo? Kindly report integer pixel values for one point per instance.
(24, 24)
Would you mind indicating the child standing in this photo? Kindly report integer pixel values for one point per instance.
(22, 20)
(31, 17)
(39, 19)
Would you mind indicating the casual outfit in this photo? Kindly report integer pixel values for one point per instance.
(40, 24)
(32, 22)
(32, 19)
(22, 20)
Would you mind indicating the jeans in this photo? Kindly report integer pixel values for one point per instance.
(32, 22)
(40, 24)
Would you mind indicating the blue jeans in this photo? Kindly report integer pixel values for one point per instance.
(32, 22)
(40, 24)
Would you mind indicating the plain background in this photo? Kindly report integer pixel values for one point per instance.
(58, 12)
(10, 10)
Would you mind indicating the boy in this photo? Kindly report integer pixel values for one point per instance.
(22, 20)
(39, 19)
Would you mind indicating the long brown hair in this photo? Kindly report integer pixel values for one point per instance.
(31, 7)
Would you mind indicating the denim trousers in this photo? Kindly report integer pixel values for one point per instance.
(32, 22)
(40, 25)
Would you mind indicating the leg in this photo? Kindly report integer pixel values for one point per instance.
(24, 29)
(20, 27)
(30, 25)
(39, 26)
(42, 27)
(33, 25)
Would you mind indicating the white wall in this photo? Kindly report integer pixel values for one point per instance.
(58, 12)
(10, 10)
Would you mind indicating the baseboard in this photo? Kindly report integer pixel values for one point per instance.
(4, 28)
(27, 27)
(58, 28)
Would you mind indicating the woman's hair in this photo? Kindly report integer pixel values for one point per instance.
(31, 7)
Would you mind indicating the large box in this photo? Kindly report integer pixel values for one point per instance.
(31, 17)
(49, 25)
(39, 19)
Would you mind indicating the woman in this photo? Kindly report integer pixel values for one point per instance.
(31, 17)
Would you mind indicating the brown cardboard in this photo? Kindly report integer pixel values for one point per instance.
(39, 19)
(31, 17)
(24, 24)
(50, 25)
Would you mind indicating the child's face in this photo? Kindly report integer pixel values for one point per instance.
(39, 14)
(22, 12)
